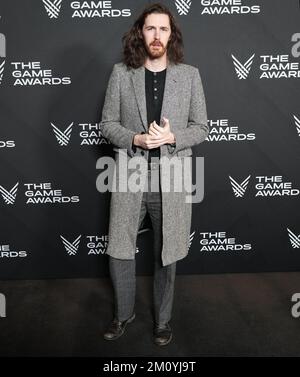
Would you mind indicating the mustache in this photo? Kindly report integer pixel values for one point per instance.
(155, 43)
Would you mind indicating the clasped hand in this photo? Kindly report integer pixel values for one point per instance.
(156, 135)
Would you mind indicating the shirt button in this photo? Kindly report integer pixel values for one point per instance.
(155, 81)
(155, 97)
(154, 73)
(155, 88)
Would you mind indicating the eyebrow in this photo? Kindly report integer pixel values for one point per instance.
(167, 27)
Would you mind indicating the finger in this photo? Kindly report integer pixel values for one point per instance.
(154, 124)
(155, 141)
(156, 137)
(154, 132)
(158, 128)
(166, 122)
(154, 146)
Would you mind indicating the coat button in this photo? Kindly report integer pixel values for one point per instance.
(142, 153)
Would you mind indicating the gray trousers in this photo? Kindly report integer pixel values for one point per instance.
(123, 271)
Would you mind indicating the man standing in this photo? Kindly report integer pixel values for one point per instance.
(154, 107)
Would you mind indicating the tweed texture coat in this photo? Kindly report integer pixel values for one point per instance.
(124, 114)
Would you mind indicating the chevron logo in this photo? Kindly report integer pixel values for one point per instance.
(52, 7)
(239, 189)
(71, 247)
(63, 137)
(242, 70)
(183, 6)
(297, 123)
(295, 240)
(191, 239)
(9, 196)
(1, 70)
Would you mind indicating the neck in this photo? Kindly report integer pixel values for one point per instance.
(156, 65)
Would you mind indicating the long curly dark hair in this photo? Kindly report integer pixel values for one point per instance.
(134, 51)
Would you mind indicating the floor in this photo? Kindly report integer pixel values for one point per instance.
(213, 315)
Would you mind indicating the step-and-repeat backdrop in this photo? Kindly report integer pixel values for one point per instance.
(56, 57)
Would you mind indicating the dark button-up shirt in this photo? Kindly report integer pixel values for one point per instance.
(155, 86)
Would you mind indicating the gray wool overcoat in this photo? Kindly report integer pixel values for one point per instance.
(124, 115)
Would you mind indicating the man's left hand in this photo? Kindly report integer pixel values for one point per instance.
(163, 134)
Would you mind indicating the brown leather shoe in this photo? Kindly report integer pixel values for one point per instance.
(162, 334)
(117, 328)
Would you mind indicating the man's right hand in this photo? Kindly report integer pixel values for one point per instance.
(146, 141)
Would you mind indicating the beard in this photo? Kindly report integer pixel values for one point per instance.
(155, 52)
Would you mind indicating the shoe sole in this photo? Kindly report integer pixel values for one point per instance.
(164, 344)
(117, 337)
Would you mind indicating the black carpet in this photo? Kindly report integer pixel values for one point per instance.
(213, 315)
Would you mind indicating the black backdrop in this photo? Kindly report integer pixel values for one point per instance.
(56, 58)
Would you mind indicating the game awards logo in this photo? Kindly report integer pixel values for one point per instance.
(239, 189)
(88, 133)
(276, 66)
(63, 137)
(242, 69)
(226, 130)
(192, 235)
(9, 196)
(183, 6)
(7, 253)
(297, 124)
(265, 186)
(228, 7)
(71, 247)
(52, 7)
(294, 239)
(219, 241)
(93, 244)
(38, 193)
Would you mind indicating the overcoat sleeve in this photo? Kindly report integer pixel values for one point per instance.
(197, 128)
(110, 125)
